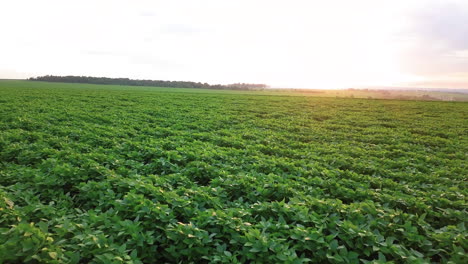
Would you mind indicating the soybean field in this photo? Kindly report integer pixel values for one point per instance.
(117, 174)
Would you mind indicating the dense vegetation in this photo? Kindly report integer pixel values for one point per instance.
(108, 174)
(156, 83)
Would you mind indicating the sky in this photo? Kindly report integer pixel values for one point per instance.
(292, 44)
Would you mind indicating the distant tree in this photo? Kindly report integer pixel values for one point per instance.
(156, 83)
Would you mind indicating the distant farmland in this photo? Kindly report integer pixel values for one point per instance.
(117, 174)
(388, 93)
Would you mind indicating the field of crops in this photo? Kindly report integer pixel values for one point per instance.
(114, 174)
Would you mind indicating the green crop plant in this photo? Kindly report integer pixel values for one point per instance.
(116, 174)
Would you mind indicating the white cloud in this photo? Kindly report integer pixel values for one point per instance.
(436, 43)
(320, 44)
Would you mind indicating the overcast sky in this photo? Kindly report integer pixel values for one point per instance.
(309, 44)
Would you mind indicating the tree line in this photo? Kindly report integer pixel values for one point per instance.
(155, 83)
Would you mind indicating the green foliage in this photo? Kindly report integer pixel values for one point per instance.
(154, 83)
(104, 174)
